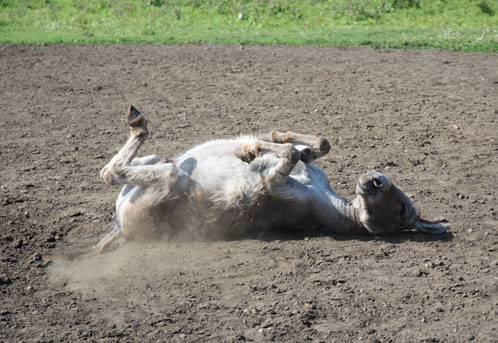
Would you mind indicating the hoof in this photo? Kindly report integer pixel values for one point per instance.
(135, 117)
(137, 122)
(322, 145)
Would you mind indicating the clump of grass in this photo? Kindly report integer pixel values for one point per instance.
(486, 8)
(405, 4)
(458, 24)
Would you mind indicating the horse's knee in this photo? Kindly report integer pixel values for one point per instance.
(109, 175)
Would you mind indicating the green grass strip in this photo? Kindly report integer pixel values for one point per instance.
(461, 25)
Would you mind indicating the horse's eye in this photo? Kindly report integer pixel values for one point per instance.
(403, 209)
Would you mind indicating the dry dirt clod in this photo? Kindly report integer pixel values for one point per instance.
(429, 264)
(5, 280)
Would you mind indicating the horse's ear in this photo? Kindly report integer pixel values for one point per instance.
(373, 182)
(434, 228)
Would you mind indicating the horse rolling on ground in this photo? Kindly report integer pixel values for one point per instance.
(228, 188)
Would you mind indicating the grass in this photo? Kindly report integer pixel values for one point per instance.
(462, 25)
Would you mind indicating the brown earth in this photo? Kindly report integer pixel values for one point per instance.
(427, 119)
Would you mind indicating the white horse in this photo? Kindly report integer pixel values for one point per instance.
(227, 188)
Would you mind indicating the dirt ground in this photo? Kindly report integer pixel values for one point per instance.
(427, 119)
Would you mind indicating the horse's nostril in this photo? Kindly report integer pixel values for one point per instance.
(377, 183)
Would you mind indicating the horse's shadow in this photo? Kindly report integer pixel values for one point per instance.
(284, 234)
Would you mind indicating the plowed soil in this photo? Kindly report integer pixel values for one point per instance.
(427, 119)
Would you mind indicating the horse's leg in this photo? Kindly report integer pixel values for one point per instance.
(143, 172)
(277, 174)
(311, 147)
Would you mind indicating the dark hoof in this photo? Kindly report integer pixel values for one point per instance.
(135, 117)
(323, 145)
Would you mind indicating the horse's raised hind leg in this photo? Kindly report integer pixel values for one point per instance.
(125, 169)
(104, 242)
(277, 174)
(112, 172)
